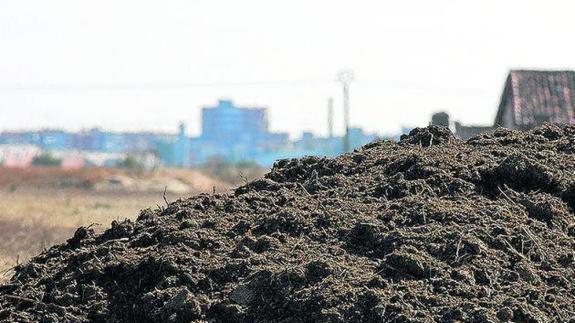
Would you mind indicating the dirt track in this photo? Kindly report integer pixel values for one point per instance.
(427, 229)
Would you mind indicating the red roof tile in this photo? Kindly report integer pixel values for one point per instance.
(539, 96)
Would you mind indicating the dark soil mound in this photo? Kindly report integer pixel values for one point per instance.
(427, 229)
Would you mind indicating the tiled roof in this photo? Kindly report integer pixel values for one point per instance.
(539, 96)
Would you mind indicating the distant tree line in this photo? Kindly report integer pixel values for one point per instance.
(46, 159)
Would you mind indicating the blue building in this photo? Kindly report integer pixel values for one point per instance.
(310, 145)
(227, 123)
(182, 148)
(229, 132)
(235, 134)
(46, 139)
(54, 139)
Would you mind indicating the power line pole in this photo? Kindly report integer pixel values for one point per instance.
(345, 78)
(330, 117)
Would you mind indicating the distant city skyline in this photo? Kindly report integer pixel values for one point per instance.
(229, 132)
(148, 65)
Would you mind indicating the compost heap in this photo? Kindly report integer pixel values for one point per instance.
(427, 229)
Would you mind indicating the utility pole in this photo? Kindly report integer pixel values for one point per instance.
(330, 117)
(345, 77)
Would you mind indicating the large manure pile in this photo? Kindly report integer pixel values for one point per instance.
(427, 229)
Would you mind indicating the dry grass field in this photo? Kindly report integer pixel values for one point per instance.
(36, 219)
(40, 207)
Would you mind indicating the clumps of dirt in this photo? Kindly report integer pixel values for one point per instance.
(429, 136)
(427, 229)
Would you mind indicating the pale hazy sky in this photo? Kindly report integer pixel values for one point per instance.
(130, 65)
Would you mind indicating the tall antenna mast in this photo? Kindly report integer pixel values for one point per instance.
(330, 117)
(345, 77)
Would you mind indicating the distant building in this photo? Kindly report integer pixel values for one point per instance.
(18, 156)
(45, 139)
(440, 119)
(462, 131)
(531, 98)
(181, 148)
(465, 132)
(235, 133)
(53, 139)
(309, 144)
(230, 124)
(229, 132)
(331, 146)
(357, 137)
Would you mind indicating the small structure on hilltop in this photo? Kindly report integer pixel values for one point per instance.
(529, 99)
(440, 119)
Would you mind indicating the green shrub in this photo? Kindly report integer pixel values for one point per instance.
(46, 159)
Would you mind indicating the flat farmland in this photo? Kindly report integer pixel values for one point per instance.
(32, 220)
